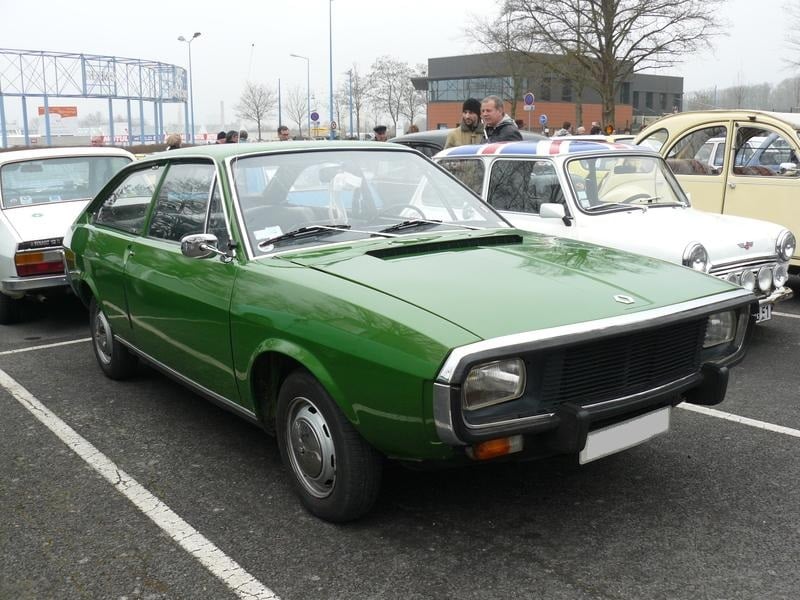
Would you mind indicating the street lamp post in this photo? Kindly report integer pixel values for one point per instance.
(350, 91)
(308, 91)
(191, 87)
(330, 66)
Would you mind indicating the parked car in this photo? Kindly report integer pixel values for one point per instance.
(626, 197)
(358, 301)
(758, 174)
(42, 190)
(433, 141)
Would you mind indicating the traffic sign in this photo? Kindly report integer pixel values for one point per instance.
(528, 99)
(543, 119)
(315, 116)
(529, 107)
(333, 124)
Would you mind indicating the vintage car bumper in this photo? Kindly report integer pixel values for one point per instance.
(778, 295)
(585, 400)
(19, 285)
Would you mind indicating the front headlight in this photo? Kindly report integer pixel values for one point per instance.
(781, 275)
(493, 383)
(786, 245)
(696, 257)
(720, 328)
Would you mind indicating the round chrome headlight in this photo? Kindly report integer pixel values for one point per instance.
(786, 245)
(765, 279)
(733, 278)
(748, 280)
(781, 275)
(695, 257)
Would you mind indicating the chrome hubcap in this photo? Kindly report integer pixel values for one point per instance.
(311, 450)
(102, 337)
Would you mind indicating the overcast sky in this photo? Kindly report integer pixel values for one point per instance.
(254, 39)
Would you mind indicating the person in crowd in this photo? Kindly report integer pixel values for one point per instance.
(380, 132)
(413, 129)
(497, 125)
(173, 141)
(580, 130)
(595, 130)
(470, 130)
(221, 137)
(242, 136)
(565, 129)
(283, 133)
(232, 137)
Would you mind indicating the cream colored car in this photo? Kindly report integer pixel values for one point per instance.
(758, 176)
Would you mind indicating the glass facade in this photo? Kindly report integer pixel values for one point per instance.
(455, 90)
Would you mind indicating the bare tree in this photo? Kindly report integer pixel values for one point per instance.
(413, 101)
(295, 104)
(612, 39)
(256, 102)
(389, 78)
(793, 37)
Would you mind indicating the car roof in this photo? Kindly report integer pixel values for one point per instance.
(438, 137)
(793, 119)
(17, 154)
(547, 147)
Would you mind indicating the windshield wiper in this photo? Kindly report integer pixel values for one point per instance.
(410, 223)
(302, 232)
(605, 205)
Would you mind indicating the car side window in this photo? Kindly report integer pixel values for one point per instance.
(693, 153)
(125, 208)
(656, 139)
(183, 201)
(468, 171)
(216, 219)
(523, 185)
(762, 152)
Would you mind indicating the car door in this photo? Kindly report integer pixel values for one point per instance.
(688, 157)
(759, 183)
(179, 306)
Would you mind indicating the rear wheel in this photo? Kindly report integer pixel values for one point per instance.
(116, 361)
(10, 309)
(334, 470)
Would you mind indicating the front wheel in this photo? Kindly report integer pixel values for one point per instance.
(114, 359)
(334, 471)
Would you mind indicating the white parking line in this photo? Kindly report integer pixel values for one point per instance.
(741, 420)
(223, 567)
(29, 348)
(782, 314)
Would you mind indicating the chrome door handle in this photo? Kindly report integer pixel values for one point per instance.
(732, 185)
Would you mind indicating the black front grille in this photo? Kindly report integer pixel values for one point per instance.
(619, 366)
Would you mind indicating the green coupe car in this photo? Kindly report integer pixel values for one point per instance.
(361, 304)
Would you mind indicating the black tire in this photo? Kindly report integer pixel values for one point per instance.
(116, 361)
(10, 309)
(336, 473)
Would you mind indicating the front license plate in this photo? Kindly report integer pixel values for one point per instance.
(627, 434)
(764, 313)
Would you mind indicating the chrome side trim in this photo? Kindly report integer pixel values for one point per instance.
(565, 334)
(220, 401)
(443, 416)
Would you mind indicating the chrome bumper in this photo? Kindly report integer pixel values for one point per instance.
(28, 284)
(779, 295)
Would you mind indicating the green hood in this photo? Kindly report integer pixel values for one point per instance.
(503, 282)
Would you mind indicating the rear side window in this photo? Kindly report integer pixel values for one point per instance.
(125, 208)
(183, 201)
(523, 185)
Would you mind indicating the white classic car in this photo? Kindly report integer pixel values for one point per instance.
(625, 197)
(42, 190)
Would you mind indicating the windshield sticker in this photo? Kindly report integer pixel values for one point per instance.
(267, 232)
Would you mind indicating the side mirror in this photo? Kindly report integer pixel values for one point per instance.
(788, 168)
(551, 210)
(200, 245)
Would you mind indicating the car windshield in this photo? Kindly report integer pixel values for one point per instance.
(63, 179)
(605, 183)
(307, 198)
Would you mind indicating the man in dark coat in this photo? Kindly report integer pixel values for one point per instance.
(498, 126)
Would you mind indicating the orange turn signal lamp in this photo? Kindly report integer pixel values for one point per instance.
(39, 263)
(495, 448)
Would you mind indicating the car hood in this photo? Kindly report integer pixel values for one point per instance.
(665, 233)
(499, 283)
(43, 221)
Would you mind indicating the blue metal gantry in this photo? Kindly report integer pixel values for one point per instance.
(39, 74)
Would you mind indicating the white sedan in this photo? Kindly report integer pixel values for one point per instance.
(623, 197)
(42, 190)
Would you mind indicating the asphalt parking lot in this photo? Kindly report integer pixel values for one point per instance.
(157, 493)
